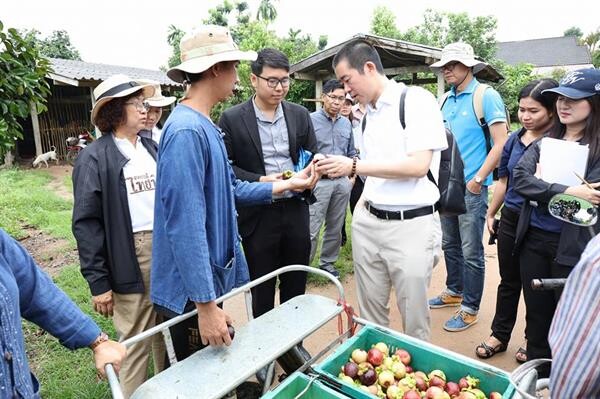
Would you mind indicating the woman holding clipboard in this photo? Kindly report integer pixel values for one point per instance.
(547, 247)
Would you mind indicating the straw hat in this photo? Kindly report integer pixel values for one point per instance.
(117, 86)
(204, 47)
(157, 100)
(459, 52)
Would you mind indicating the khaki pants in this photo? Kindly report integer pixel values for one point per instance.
(133, 314)
(399, 254)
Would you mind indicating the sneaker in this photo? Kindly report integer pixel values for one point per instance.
(444, 300)
(330, 269)
(460, 321)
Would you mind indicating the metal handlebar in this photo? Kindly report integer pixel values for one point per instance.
(540, 284)
(113, 380)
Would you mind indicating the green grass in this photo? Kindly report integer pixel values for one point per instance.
(25, 200)
(64, 373)
(344, 263)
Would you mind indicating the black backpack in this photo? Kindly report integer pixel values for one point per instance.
(451, 178)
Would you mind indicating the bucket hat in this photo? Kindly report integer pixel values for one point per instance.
(459, 52)
(204, 47)
(117, 86)
(157, 99)
(578, 84)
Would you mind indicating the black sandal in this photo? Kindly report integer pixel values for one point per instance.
(489, 350)
(522, 352)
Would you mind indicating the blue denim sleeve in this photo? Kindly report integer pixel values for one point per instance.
(181, 184)
(43, 303)
(251, 193)
(493, 107)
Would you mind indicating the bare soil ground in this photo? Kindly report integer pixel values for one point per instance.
(52, 253)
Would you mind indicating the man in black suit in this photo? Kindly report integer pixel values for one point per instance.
(263, 137)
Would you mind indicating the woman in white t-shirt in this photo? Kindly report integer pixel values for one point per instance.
(113, 216)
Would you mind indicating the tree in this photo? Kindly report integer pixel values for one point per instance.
(573, 31)
(383, 23)
(220, 14)
(254, 35)
(57, 45)
(20, 59)
(441, 28)
(266, 11)
(592, 40)
(174, 36)
(323, 39)
(515, 78)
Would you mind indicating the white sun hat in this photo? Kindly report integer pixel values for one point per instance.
(157, 100)
(459, 52)
(118, 86)
(204, 47)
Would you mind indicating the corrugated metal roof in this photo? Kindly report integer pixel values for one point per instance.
(551, 51)
(89, 71)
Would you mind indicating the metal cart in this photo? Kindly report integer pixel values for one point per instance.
(214, 371)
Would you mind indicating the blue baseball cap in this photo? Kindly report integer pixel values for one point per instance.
(582, 83)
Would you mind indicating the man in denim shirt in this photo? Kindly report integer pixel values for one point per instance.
(25, 290)
(334, 137)
(197, 255)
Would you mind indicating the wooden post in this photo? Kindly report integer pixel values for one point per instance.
(318, 93)
(36, 129)
(97, 131)
(440, 85)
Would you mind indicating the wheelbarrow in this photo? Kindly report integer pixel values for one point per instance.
(213, 372)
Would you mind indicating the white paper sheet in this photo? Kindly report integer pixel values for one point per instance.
(560, 158)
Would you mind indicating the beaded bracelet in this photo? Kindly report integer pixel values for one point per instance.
(353, 172)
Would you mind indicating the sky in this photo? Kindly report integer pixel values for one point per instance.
(133, 33)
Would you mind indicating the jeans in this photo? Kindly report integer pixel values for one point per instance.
(462, 243)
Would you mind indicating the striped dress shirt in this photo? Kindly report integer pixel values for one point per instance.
(575, 332)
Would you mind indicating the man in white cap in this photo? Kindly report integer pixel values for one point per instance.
(462, 240)
(197, 254)
(156, 103)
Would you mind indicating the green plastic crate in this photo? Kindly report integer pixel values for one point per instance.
(425, 357)
(296, 383)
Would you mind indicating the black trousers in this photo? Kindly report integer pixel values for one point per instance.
(281, 238)
(509, 290)
(537, 255)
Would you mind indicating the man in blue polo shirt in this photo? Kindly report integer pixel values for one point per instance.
(334, 137)
(463, 235)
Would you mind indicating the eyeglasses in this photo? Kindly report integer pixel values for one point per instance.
(273, 82)
(339, 99)
(140, 107)
(450, 66)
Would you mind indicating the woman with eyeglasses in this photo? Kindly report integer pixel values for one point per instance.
(113, 216)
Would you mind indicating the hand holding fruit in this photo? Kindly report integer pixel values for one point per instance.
(213, 324)
(272, 177)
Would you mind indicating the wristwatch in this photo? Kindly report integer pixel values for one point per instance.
(478, 180)
(100, 339)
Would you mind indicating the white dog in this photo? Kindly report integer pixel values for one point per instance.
(45, 157)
